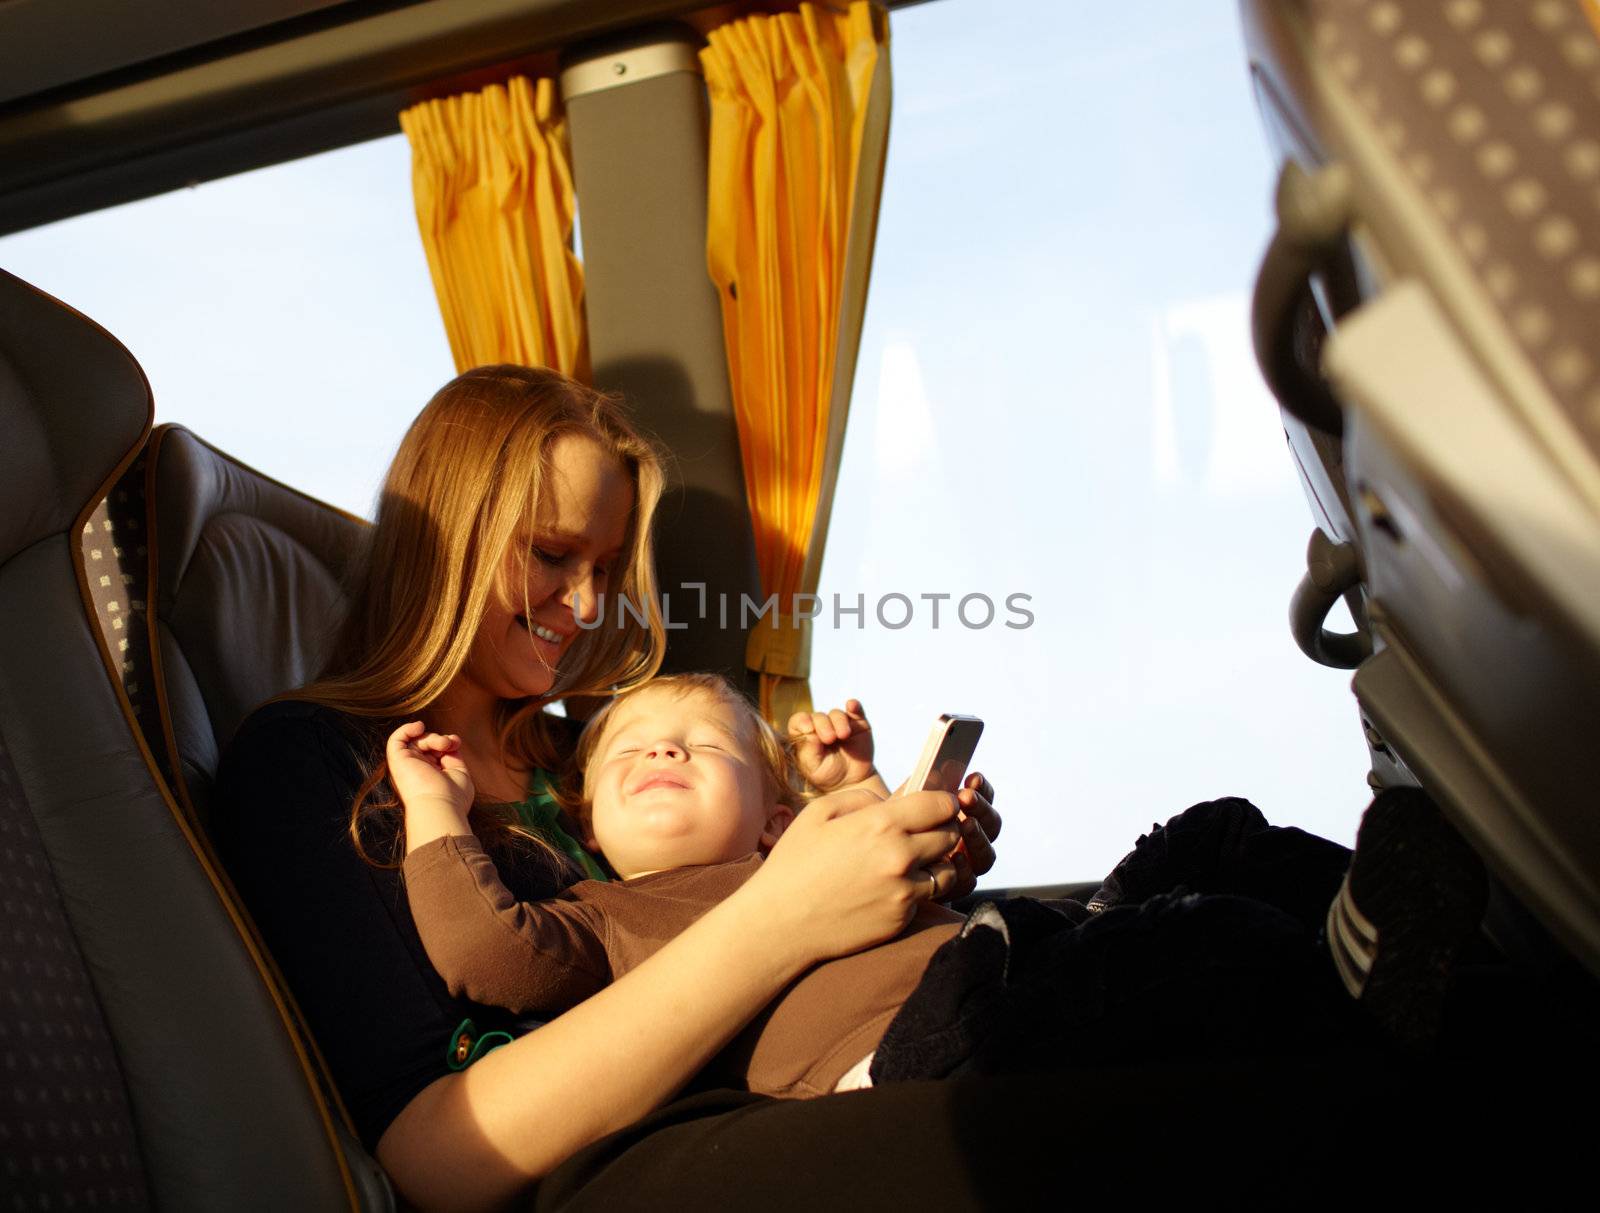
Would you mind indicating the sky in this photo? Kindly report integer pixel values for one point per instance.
(1055, 405)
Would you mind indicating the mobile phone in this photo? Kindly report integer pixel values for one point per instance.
(944, 759)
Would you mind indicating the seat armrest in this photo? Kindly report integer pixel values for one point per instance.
(1080, 890)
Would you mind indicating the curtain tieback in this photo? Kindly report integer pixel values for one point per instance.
(780, 645)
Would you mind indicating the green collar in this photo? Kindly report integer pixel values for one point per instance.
(541, 815)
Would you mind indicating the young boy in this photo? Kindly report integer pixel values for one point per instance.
(685, 788)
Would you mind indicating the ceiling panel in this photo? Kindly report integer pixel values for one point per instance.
(50, 43)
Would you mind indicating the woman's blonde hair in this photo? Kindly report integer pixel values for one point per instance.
(467, 482)
(783, 780)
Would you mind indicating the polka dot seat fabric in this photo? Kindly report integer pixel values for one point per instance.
(1492, 111)
(1450, 152)
(66, 1133)
(147, 1059)
(116, 557)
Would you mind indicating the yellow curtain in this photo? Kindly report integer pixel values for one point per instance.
(493, 186)
(799, 118)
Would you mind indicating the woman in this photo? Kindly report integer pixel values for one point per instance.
(517, 500)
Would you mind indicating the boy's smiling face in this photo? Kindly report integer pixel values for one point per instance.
(678, 780)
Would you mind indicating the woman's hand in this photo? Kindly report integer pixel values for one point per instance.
(980, 826)
(432, 782)
(851, 869)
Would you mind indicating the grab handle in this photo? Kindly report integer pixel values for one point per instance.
(1313, 217)
(1332, 569)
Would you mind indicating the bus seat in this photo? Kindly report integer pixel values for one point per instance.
(248, 589)
(148, 1059)
(116, 557)
(1426, 317)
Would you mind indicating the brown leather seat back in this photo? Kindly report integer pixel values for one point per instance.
(1445, 199)
(248, 592)
(148, 1061)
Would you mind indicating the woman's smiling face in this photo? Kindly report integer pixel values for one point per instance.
(678, 781)
(554, 576)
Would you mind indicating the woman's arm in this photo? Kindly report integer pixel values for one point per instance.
(836, 882)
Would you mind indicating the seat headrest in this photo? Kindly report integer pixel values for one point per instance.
(249, 590)
(75, 402)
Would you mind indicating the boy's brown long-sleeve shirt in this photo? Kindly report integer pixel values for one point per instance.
(544, 957)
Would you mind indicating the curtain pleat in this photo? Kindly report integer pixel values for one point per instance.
(492, 182)
(792, 207)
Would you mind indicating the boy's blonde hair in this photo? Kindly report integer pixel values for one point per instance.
(783, 780)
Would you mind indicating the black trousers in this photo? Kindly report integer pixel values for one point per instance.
(1205, 945)
(1362, 1130)
(1186, 1043)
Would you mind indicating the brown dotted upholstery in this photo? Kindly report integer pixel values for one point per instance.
(1492, 108)
(66, 1133)
(116, 557)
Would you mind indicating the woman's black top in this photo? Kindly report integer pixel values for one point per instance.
(340, 928)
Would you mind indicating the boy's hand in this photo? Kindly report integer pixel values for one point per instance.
(833, 750)
(432, 782)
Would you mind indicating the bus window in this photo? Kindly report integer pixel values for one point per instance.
(1056, 397)
(284, 315)
(1057, 422)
